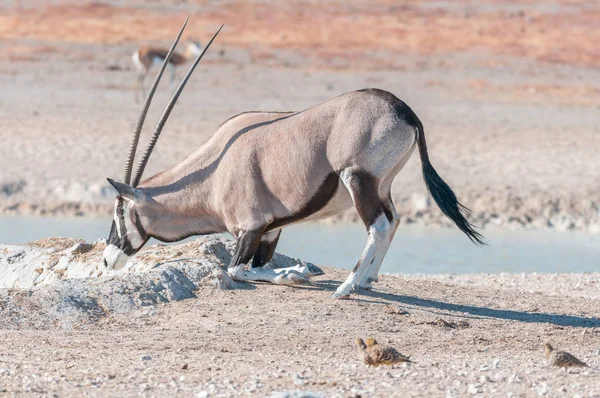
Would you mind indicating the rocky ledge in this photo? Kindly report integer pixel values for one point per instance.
(64, 282)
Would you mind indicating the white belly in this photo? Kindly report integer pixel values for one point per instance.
(157, 62)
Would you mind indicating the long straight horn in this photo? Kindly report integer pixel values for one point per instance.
(167, 112)
(142, 118)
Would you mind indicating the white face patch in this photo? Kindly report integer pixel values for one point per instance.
(115, 258)
(128, 229)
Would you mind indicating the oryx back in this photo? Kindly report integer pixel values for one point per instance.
(285, 167)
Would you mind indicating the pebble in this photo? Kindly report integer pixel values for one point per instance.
(496, 363)
(473, 389)
(146, 357)
(298, 380)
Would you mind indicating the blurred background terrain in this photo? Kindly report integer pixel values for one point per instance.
(508, 92)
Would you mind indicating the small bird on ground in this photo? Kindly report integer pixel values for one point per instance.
(363, 353)
(562, 359)
(376, 354)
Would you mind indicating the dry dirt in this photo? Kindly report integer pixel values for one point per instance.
(507, 92)
(177, 324)
(266, 339)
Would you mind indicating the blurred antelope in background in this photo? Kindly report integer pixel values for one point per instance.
(263, 171)
(146, 58)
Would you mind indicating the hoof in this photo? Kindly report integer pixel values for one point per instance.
(290, 278)
(313, 270)
(368, 284)
(340, 296)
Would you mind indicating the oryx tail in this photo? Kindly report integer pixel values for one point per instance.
(442, 194)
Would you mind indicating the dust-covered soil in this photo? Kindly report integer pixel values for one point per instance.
(507, 92)
(467, 335)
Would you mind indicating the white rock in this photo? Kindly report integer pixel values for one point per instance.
(496, 363)
(473, 389)
(298, 380)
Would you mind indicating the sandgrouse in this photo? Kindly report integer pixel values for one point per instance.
(376, 354)
(562, 359)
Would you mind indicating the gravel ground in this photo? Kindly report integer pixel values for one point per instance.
(261, 339)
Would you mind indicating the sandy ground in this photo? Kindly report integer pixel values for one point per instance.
(467, 335)
(254, 342)
(506, 92)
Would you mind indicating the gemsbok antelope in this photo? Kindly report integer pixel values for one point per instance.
(146, 58)
(263, 171)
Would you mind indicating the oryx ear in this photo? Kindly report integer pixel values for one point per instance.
(126, 191)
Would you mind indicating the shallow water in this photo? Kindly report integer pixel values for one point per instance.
(414, 249)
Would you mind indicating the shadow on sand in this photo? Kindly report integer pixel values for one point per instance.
(521, 316)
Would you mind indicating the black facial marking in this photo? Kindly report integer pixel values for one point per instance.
(122, 242)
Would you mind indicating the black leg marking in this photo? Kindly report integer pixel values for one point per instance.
(247, 244)
(388, 212)
(364, 188)
(265, 251)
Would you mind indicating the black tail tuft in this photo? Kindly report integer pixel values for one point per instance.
(447, 202)
(441, 192)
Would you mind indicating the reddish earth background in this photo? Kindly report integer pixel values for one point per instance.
(555, 32)
(508, 92)
(349, 35)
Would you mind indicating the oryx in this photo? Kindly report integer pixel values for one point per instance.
(262, 171)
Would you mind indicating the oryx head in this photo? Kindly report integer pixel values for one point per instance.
(133, 212)
(128, 232)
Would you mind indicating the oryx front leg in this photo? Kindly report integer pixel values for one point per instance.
(363, 189)
(247, 244)
(266, 249)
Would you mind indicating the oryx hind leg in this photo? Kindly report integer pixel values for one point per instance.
(385, 195)
(372, 273)
(364, 190)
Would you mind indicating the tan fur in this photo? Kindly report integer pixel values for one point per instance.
(262, 171)
(147, 54)
(263, 166)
